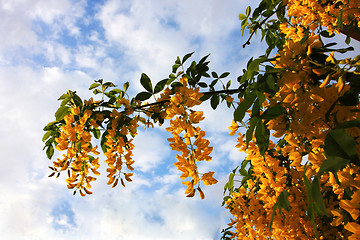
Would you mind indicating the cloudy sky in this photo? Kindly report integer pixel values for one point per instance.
(49, 46)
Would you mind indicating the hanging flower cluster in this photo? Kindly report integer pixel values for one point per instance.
(119, 147)
(188, 139)
(78, 160)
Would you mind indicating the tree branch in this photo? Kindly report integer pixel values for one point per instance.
(228, 91)
(259, 25)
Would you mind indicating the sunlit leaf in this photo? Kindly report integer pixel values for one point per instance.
(94, 85)
(61, 112)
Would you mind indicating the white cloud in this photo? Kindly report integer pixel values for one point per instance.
(153, 34)
(45, 52)
(151, 149)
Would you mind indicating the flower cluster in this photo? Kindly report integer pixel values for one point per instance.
(78, 159)
(119, 147)
(187, 139)
(313, 13)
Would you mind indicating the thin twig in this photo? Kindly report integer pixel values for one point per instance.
(257, 27)
(228, 91)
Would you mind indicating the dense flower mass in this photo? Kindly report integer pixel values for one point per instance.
(310, 92)
(315, 13)
(304, 129)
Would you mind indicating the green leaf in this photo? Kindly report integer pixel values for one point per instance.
(186, 57)
(109, 84)
(255, 111)
(50, 151)
(242, 16)
(146, 82)
(310, 204)
(116, 90)
(339, 143)
(61, 113)
(205, 97)
(96, 91)
(243, 172)
(126, 86)
(250, 131)
(273, 112)
(248, 11)
(46, 135)
(262, 136)
(160, 86)
(103, 141)
(142, 96)
(50, 125)
(340, 19)
(214, 75)
(305, 37)
(96, 133)
(202, 84)
(253, 67)
(175, 67)
(77, 100)
(228, 84)
(177, 61)
(202, 60)
(240, 111)
(283, 200)
(224, 75)
(65, 95)
(348, 40)
(171, 79)
(326, 34)
(349, 98)
(267, 13)
(317, 196)
(261, 97)
(231, 182)
(213, 83)
(94, 85)
(176, 84)
(350, 124)
(243, 166)
(99, 81)
(333, 164)
(65, 101)
(214, 101)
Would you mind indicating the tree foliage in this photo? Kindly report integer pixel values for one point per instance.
(299, 107)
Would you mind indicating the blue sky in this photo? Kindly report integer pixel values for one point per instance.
(49, 46)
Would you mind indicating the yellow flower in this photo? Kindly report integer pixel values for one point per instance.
(353, 227)
(69, 118)
(75, 111)
(208, 178)
(233, 128)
